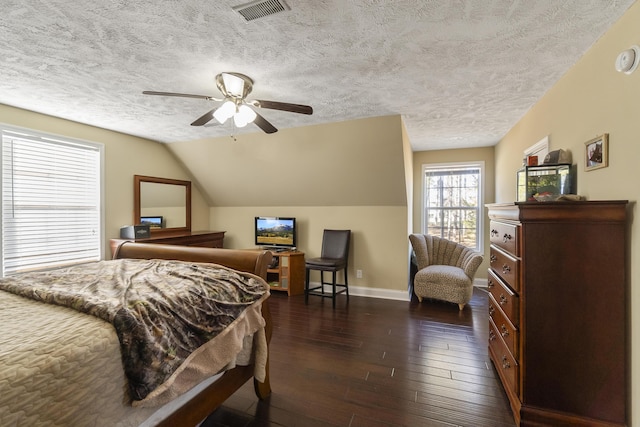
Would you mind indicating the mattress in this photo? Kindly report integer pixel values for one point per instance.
(60, 367)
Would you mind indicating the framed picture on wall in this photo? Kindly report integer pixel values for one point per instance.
(596, 153)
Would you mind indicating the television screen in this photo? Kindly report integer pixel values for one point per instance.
(152, 221)
(272, 231)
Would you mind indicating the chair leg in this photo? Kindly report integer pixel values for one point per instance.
(346, 283)
(306, 286)
(461, 306)
(333, 284)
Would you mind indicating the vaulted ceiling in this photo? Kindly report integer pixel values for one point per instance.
(460, 73)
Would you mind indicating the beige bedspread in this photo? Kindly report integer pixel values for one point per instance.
(59, 367)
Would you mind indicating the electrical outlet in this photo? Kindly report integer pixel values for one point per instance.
(358, 274)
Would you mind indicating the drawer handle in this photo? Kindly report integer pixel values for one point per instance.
(492, 335)
(491, 310)
(492, 258)
(490, 284)
(506, 238)
(505, 363)
(505, 331)
(506, 269)
(503, 299)
(494, 232)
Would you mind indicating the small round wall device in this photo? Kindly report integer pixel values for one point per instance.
(628, 60)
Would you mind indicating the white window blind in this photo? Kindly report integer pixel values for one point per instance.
(452, 197)
(51, 213)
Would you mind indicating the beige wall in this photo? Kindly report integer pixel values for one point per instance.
(359, 161)
(592, 99)
(347, 175)
(378, 241)
(350, 163)
(125, 156)
(485, 155)
(408, 176)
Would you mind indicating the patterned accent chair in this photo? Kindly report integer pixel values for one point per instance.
(445, 269)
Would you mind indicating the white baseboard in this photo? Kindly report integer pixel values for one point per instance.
(362, 291)
(392, 294)
(481, 283)
(380, 293)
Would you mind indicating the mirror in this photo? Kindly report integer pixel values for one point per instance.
(164, 204)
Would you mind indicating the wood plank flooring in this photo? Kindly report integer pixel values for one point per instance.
(374, 363)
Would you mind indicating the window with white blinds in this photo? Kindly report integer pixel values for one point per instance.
(452, 202)
(51, 202)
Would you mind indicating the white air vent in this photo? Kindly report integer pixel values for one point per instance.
(261, 8)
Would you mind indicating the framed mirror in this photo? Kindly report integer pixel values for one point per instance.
(163, 203)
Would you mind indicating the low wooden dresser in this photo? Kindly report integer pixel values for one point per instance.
(558, 310)
(207, 239)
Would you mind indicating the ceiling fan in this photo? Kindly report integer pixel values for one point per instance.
(235, 87)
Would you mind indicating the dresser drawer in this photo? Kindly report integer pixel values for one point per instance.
(506, 267)
(505, 297)
(504, 362)
(505, 236)
(505, 328)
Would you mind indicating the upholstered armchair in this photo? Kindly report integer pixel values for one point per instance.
(445, 269)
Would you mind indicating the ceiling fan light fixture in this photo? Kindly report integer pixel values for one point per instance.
(235, 87)
(247, 114)
(225, 112)
(244, 116)
(233, 84)
(238, 121)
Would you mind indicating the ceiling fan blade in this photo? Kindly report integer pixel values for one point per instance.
(282, 106)
(204, 119)
(263, 124)
(183, 95)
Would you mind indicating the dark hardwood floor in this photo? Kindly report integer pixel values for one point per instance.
(374, 362)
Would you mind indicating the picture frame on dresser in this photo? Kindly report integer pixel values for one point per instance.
(596, 153)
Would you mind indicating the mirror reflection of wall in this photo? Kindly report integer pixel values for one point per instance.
(163, 200)
(164, 203)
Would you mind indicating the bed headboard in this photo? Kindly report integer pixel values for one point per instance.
(255, 262)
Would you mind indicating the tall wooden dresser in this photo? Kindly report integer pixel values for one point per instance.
(558, 311)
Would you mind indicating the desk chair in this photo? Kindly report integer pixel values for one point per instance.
(333, 258)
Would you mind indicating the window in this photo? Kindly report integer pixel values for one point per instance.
(51, 201)
(452, 201)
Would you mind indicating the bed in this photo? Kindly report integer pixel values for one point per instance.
(60, 366)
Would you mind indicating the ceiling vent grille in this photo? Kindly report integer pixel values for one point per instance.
(261, 8)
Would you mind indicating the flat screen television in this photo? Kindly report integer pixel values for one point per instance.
(275, 232)
(152, 221)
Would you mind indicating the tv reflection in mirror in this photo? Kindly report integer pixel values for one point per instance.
(275, 232)
(152, 221)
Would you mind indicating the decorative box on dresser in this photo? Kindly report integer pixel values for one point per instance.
(558, 311)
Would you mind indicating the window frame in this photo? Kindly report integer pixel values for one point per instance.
(480, 164)
(14, 131)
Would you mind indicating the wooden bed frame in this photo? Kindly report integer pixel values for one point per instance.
(256, 262)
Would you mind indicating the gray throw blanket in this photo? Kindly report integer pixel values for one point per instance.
(162, 310)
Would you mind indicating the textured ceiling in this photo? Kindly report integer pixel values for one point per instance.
(460, 72)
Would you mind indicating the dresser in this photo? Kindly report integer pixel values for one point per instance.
(558, 310)
(207, 239)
